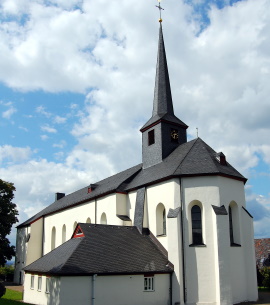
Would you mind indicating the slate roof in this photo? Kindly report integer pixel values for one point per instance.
(162, 104)
(194, 158)
(106, 250)
(111, 184)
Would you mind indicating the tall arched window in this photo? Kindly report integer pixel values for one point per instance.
(160, 220)
(196, 219)
(53, 238)
(88, 220)
(234, 224)
(103, 219)
(64, 232)
(75, 225)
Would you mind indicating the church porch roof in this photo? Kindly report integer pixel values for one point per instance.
(105, 250)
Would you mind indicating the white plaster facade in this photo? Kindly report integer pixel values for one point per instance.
(216, 273)
(120, 290)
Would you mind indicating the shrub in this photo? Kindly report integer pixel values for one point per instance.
(2, 289)
(266, 274)
(6, 273)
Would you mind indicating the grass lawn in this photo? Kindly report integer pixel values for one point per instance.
(11, 297)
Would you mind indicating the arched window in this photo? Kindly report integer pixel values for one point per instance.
(75, 225)
(196, 219)
(103, 219)
(64, 233)
(160, 220)
(53, 238)
(234, 227)
(88, 220)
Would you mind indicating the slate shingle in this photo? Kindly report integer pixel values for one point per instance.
(104, 249)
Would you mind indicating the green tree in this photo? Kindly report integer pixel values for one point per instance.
(8, 216)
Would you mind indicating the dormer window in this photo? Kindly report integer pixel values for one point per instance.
(151, 137)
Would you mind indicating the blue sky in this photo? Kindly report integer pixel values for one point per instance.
(77, 80)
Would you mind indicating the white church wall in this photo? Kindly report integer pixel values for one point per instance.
(21, 251)
(131, 203)
(200, 268)
(249, 257)
(129, 289)
(242, 259)
(164, 193)
(41, 296)
(222, 259)
(75, 290)
(114, 290)
(66, 217)
(107, 205)
(231, 190)
(175, 256)
(35, 247)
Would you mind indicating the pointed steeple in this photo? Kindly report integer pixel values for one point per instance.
(164, 131)
(162, 96)
(162, 104)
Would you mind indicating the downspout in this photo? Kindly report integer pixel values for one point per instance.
(171, 288)
(93, 289)
(183, 241)
(95, 211)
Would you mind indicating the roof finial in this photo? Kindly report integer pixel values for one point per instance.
(160, 8)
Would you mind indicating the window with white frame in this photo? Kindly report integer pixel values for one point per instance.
(47, 285)
(148, 283)
(39, 283)
(32, 284)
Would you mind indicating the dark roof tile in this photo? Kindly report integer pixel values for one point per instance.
(104, 249)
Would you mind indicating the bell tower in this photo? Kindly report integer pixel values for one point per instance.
(164, 131)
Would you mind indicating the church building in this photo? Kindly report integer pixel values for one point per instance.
(172, 230)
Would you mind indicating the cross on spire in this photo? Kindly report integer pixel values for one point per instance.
(160, 8)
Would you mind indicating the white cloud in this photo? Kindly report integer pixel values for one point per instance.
(61, 144)
(48, 129)
(59, 120)
(219, 78)
(42, 110)
(8, 113)
(14, 154)
(44, 137)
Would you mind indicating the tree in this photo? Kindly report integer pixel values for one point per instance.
(8, 216)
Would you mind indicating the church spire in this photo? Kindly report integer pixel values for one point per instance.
(162, 95)
(164, 131)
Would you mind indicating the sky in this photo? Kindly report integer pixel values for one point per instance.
(77, 84)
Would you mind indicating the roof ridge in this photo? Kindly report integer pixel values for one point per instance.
(195, 140)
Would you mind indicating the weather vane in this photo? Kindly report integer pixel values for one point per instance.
(160, 8)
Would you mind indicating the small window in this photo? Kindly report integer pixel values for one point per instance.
(39, 283)
(148, 283)
(64, 233)
(231, 225)
(196, 217)
(53, 238)
(161, 220)
(103, 219)
(151, 137)
(32, 282)
(47, 285)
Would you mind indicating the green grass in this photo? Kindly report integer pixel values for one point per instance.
(263, 289)
(12, 297)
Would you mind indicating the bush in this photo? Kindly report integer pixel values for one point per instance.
(266, 274)
(2, 289)
(6, 273)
